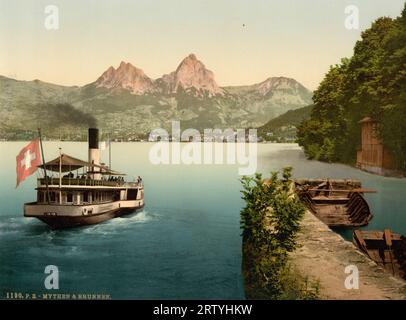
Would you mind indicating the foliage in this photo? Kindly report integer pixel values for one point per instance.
(270, 222)
(297, 286)
(371, 83)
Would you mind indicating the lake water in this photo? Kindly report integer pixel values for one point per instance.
(186, 242)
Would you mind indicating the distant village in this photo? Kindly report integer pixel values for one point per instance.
(119, 135)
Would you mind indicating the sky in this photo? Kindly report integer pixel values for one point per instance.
(242, 41)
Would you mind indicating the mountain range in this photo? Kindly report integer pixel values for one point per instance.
(127, 103)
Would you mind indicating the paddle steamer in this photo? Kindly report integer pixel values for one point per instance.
(73, 192)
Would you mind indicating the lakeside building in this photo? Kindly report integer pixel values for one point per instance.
(372, 156)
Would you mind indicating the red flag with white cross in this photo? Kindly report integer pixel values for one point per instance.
(28, 160)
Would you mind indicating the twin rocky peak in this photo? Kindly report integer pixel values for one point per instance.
(191, 76)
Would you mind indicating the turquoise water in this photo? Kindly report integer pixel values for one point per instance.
(186, 242)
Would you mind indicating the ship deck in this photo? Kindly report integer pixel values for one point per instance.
(84, 182)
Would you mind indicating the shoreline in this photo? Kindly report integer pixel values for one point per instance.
(320, 265)
(323, 255)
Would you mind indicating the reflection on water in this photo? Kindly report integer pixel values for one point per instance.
(185, 243)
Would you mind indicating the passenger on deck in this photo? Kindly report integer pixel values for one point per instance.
(139, 180)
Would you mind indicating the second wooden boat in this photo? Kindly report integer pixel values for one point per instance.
(387, 249)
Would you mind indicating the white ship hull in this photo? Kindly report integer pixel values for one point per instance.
(67, 216)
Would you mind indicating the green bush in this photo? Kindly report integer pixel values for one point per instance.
(270, 222)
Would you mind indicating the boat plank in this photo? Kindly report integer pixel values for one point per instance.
(385, 248)
(388, 237)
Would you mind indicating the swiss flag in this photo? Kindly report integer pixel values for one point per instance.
(28, 160)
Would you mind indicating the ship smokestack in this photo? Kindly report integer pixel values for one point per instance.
(93, 138)
(94, 153)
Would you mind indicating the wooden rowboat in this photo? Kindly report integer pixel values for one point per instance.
(331, 188)
(387, 249)
(338, 203)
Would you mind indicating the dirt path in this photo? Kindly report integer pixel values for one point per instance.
(324, 255)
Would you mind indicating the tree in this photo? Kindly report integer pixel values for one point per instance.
(371, 83)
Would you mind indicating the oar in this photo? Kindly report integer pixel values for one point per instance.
(345, 190)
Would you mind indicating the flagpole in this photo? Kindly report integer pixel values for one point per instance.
(109, 152)
(43, 164)
(60, 175)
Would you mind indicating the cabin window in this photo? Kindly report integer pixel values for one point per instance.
(69, 197)
(96, 197)
(40, 197)
(86, 196)
(132, 194)
(43, 197)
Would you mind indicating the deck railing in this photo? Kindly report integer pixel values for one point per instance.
(86, 182)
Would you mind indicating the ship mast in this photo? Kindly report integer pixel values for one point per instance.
(109, 146)
(60, 175)
(44, 166)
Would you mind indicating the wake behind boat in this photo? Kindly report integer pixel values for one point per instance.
(96, 194)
